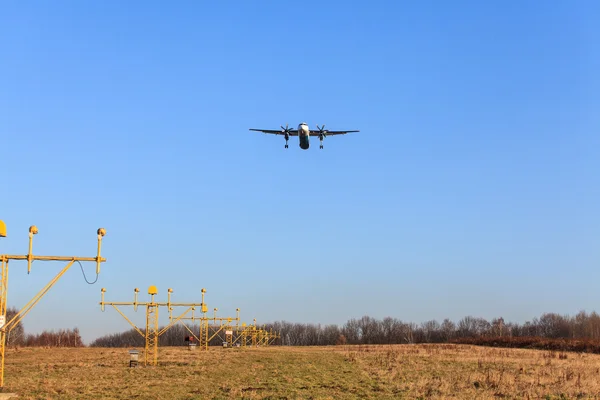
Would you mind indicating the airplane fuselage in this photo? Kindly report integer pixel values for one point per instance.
(304, 136)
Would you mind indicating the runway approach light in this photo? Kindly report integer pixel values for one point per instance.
(203, 306)
(101, 233)
(152, 332)
(135, 297)
(33, 230)
(103, 290)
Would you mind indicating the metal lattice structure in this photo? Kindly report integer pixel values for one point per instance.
(219, 325)
(252, 335)
(152, 332)
(6, 327)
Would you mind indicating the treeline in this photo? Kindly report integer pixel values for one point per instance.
(61, 338)
(538, 343)
(368, 330)
(174, 336)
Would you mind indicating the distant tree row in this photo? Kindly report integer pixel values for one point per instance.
(365, 330)
(174, 336)
(368, 330)
(60, 338)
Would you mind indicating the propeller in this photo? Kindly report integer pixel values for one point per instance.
(286, 131)
(322, 131)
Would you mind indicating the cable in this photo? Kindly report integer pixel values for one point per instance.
(84, 277)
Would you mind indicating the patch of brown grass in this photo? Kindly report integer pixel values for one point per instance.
(336, 372)
(461, 371)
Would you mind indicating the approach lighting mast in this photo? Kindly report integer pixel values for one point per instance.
(152, 333)
(205, 334)
(6, 327)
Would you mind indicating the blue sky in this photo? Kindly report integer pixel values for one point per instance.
(471, 189)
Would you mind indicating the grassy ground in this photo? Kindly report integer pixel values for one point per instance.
(341, 372)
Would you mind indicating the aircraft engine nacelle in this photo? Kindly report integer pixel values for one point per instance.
(287, 136)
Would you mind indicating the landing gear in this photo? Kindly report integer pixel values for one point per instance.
(286, 146)
(321, 146)
(286, 137)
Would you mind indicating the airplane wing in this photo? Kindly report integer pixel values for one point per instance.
(329, 133)
(292, 132)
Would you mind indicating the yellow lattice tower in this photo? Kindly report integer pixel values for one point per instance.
(230, 330)
(268, 337)
(152, 327)
(242, 335)
(152, 332)
(218, 325)
(203, 324)
(248, 334)
(253, 334)
(224, 325)
(204, 337)
(273, 336)
(263, 337)
(6, 327)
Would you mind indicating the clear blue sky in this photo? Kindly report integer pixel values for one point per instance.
(473, 187)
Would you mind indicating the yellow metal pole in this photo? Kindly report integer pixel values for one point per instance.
(152, 333)
(101, 232)
(3, 298)
(204, 324)
(33, 230)
(169, 308)
(135, 296)
(3, 301)
(103, 290)
(152, 327)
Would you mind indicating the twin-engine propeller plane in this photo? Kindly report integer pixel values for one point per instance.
(303, 132)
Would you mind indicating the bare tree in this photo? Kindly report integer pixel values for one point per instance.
(448, 329)
(16, 337)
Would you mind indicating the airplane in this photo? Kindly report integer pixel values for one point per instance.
(303, 132)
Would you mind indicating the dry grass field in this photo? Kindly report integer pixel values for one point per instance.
(340, 372)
